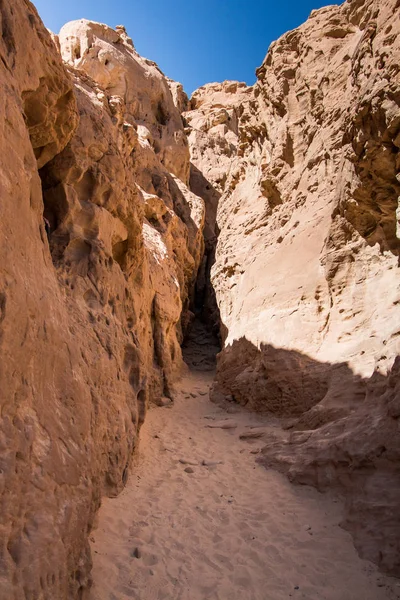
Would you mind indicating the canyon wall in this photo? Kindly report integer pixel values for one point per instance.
(304, 170)
(270, 211)
(100, 244)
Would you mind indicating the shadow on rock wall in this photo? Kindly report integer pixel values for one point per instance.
(205, 300)
(202, 341)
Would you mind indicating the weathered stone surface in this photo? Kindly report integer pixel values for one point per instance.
(95, 280)
(111, 60)
(296, 183)
(304, 169)
(121, 198)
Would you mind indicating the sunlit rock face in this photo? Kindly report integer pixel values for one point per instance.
(125, 174)
(100, 243)
(302, 171)
(110, 59)
(279, 214)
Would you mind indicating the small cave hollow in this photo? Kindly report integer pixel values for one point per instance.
(162, 116)
(55, 211)
(119, 252)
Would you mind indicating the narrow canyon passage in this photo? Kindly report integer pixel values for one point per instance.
(200, 519)
(259, 221)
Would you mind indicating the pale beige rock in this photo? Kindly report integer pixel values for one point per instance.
(110, 59)
(304, 170)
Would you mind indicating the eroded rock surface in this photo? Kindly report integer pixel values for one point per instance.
(304, 169)
(96, 275)
(104, 259)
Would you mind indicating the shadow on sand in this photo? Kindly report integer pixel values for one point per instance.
(341, 433)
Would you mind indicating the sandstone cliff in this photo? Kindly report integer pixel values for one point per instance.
(304, 167)
(100, 243)
(268, 210)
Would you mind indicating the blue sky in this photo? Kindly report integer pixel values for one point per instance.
(192, 42)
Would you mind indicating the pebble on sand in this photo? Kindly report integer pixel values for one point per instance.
(136, 553)
(164, 401)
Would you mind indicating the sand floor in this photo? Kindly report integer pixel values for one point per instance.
(226, 530)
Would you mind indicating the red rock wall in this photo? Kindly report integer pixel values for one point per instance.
(100, 243)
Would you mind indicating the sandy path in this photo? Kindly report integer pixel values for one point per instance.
(229, 531)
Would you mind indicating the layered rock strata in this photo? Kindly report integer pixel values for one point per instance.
(306, 165)
(101, 240)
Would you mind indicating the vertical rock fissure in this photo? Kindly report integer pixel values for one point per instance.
(202, 340)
